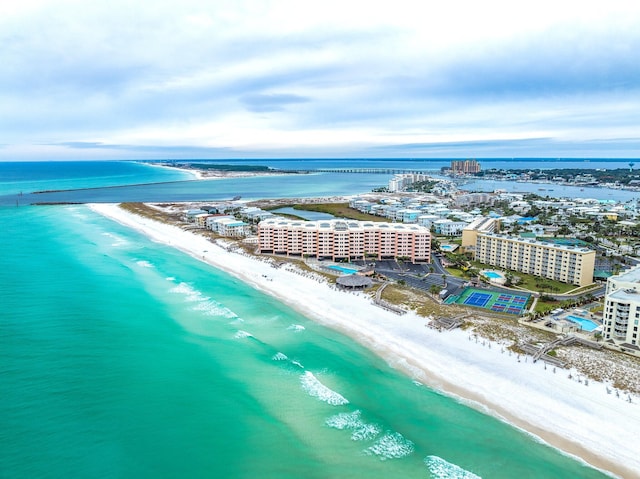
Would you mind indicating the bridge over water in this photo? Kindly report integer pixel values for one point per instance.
(381, 171)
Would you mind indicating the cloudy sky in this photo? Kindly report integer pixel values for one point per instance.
(251, 78)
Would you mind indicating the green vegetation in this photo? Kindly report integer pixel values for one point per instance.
(249, 168)
(395, 295)
(458, 273)
(339, 210)
(620, 175)
(536, 283)
(423, 186)
(141, 209)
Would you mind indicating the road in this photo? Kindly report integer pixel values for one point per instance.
(424, 276)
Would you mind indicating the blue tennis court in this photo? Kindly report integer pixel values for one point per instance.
(478, 299)
(498, 302)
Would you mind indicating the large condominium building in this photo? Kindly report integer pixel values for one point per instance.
(400, 181)
(567, 264)
(344, 239)
(621, 315)
(465, 166)
(479, 225)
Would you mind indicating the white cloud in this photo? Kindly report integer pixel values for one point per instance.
(353, 75)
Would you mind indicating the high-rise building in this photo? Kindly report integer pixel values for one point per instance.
(465, 166)
(567, 264)
(621, 315)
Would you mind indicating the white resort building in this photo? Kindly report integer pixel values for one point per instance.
(401, 181)
(345, 239)
(621, 315)
(567, 264)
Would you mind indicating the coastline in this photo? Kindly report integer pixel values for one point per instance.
(201, 174)
(583, 421)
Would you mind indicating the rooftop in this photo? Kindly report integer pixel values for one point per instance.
(539, 243)
(627, 295)
(630, 276)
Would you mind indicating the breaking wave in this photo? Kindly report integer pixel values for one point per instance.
(117, 240)
(279, 357)
(296, 327)
(204, 303)
(242, 334)
(442, 469)
(361, 431)
(144, 264)
(316, 389)
(392, 445)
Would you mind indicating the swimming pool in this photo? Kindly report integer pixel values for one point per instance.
(342, 269)
(492, 275)
(585, 324)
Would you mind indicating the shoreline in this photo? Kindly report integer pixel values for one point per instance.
(583, 422)
(200, 174)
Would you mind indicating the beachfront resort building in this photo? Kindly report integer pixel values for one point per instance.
(621, 315)
(567, 264)
(228, 226)
(345, 239)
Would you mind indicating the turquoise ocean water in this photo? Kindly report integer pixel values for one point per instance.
(123, 358)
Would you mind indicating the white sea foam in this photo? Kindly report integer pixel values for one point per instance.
(279, 357)
(204, 304)
(170, 278)
(345, 420)
(243, 334)
(296, 327)
(190, 293)
(297, 363)
(392, 445)
(213, 308)
(144, 264)
(441, 469)
(366, 432)
(117, 240)
(362, 431)
(316, 389)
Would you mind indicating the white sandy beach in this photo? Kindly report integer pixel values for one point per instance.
(202, 174)
(582, 420)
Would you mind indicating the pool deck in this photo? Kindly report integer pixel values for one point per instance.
(501, 280)
(561, 323)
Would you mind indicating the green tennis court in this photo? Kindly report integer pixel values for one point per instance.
(510, 303)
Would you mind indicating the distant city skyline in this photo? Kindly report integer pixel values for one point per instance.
(290, 79)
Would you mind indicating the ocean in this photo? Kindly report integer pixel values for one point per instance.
(124, 358)
(102, 182)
